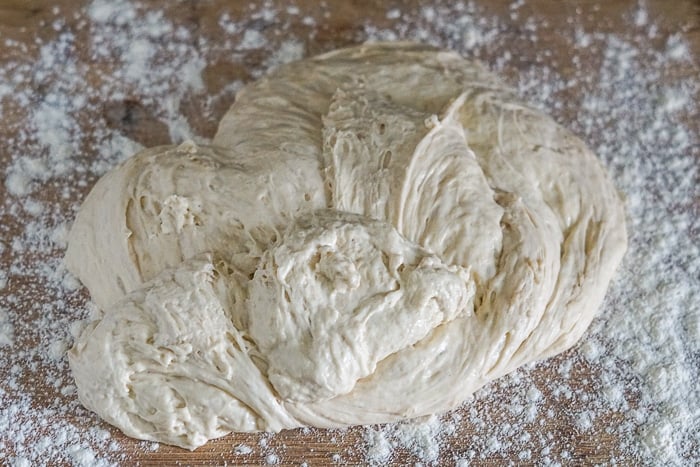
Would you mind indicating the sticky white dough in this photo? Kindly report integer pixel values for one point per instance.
(374, 234)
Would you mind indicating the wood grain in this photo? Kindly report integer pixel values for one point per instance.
(338, 23)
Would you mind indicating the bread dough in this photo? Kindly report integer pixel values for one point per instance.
(374, 234)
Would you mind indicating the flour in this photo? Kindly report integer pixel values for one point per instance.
(242, 449)
(7, 336)
(635, 378)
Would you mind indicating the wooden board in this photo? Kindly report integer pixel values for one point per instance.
(333, 23)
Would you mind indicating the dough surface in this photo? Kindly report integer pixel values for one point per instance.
(374, 234)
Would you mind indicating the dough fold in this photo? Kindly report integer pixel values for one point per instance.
(346, 292)
(374, 234)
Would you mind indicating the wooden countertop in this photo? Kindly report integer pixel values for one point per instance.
(332, 24)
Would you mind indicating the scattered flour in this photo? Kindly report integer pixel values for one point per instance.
(636, 376)
(242, 449)
(6, 329)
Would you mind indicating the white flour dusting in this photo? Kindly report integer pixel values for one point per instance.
(119, 75)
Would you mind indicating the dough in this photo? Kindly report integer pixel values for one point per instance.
(374, 234)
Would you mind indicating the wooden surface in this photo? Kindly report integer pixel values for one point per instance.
(337, 24)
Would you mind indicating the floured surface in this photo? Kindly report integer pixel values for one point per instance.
(622, 76)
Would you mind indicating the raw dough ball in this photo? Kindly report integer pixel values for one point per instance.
(375, 233)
